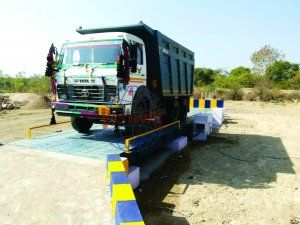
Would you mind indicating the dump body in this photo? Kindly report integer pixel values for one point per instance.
(176, 67)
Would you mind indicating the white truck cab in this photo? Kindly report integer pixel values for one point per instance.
(89, 63)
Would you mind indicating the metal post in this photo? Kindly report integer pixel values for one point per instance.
(127, 145)
(28, 132)
(128, 140)
(52, 120)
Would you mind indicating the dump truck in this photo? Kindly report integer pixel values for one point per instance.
(121, 76)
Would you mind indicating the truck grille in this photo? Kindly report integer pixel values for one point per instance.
(89, 93)
(81, 93)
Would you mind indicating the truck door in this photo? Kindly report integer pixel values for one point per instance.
(138, 71)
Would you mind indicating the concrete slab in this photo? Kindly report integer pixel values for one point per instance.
(134, 176)
(155, 161)
(194, 111)
(41, 187)
(178, 144)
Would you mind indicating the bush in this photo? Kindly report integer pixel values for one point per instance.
(197, 93)
(235, 93)
(293, 83)
(34, 84)
(263, 94)
(204, 92)
(221, 93)
(249, 96)
(292, 96)
(277, 94)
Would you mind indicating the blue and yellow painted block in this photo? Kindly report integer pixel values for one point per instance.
(118, 178)
(128, 213)
(206, 103)
(112, 158)
(121, 193)
(133, 223)
(115, 167)
(114, 163)
(220, 103)
(124, 206)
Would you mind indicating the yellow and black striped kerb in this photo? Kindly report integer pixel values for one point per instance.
(206, 103)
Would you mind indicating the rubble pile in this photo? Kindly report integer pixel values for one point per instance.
(5, 103)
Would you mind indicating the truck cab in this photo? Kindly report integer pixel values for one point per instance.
(86, 78)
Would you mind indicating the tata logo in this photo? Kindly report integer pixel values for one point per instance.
(84, 81)
(84, 93)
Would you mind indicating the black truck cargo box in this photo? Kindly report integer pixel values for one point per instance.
(170, 66)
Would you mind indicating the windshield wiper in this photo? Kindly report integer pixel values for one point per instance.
(80, 64)
(99, 65)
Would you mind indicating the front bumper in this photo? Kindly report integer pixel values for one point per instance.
(93, 111)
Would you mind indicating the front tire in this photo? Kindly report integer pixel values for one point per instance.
(82, 125)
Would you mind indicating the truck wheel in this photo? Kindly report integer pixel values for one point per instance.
(82, 125)
(176, 111)
(172, 111)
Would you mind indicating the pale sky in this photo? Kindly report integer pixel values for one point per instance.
(222, 33)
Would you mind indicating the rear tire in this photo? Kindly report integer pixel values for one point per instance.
(183, 109)
(176, 111)
(82, 125)
(173, 111)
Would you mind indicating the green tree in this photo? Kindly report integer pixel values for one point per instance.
(238, 71)
(264, 58)
(242, 75)
(281, 71)
(294, 83)
(203, 76)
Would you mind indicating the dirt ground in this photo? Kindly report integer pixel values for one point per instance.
(44, 188)
(248, 173)
(13, 123)
(38, 187)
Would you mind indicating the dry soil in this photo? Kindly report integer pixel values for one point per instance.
(248, 173)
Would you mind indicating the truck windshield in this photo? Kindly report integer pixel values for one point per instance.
(87, 54)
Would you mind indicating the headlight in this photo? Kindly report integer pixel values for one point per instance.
(62, 96)
(61, 92)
